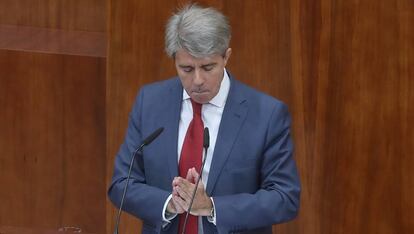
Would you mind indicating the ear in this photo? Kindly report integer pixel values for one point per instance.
(227, 56)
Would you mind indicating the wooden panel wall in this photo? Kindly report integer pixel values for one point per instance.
(345, 68)
(52, 122)
(353, 64)
(52, 140)
(84, 15)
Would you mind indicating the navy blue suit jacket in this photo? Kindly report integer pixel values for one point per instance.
(253, 178)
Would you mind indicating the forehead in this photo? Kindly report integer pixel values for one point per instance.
(182, 57)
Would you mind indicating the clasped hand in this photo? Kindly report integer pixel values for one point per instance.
(183, 189)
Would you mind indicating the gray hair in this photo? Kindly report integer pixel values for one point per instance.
(200, 31)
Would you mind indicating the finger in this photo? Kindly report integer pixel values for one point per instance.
(179, 202)
(189, 176)
(176, 181)
(200, 186)
(174, 192)
(194, 173)
(183, 193)
(178, 209)
(176, 197)
(184, 184)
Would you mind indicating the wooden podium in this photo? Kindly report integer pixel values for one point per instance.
(23, 230)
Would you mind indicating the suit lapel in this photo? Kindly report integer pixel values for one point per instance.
(170, 120)
(233, 117)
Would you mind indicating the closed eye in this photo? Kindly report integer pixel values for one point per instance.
(208, 67)
(186, 68)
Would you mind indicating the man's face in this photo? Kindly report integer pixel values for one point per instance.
(201, 77)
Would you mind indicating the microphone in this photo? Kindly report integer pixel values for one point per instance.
(151, 137)
(145, 142)
(206, 139)
(206, 144)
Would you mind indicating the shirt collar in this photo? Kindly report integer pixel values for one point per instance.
(220, 99)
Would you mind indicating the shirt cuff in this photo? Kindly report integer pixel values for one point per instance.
(212, 217)
(166, 216)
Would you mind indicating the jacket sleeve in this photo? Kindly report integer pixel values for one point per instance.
(141, 200)
(277, 199)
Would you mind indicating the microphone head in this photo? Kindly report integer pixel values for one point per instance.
(206, 139)
(152, 137)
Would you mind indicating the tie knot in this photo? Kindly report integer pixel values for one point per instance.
(196, 107)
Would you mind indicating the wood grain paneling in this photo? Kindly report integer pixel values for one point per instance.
(52, 123)
(261, 45)
(21, 230)
(353, 67)
(53, 41)
(345, 68)
(52, 140)
(84, 15)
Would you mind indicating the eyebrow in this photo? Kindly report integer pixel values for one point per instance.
(208, 65)
(203, 66)
(185, 66)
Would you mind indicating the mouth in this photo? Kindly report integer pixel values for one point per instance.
(200, 96)
(199, 92)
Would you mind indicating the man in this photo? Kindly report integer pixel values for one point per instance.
(249, 181)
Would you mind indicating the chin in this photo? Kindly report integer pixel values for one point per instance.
(200, 99)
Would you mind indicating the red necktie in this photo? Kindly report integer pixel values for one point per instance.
(191, 155)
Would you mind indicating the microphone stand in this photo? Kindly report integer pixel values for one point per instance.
(118, 217)
(145, 142)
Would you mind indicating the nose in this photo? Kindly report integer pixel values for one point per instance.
(198, 79)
